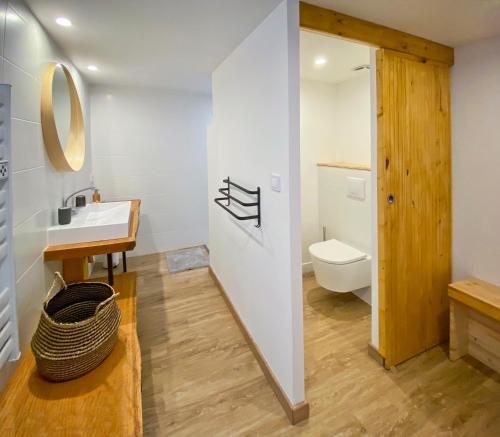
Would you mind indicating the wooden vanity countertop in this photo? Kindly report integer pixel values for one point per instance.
(104, 402)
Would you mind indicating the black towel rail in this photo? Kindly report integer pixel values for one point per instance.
(228, 197)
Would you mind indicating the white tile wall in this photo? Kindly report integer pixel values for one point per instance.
(27, 142)
(19, 44)
(29, 237)
(29, 190)
(25, 92)
(38, 189)
(30, 294)
(151, 145)
(345, 219)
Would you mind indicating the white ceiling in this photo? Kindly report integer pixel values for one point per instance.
(341, 57)
(158, 43)
(450, 22)
(178, 43)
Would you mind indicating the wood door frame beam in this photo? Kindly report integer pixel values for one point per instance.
(331, 22)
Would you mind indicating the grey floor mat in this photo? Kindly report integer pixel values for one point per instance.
(187, 259)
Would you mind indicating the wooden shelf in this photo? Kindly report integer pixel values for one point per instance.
(104, 402)
(346, 165)
(80, 250)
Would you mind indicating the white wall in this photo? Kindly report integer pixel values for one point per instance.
(353, 120)
(334, 127)
(38, 189)
(476, 160)
(255, 132)
(151, 144)
(317, 138)
(346, 219)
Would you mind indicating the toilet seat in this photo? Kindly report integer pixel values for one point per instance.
(336, 252)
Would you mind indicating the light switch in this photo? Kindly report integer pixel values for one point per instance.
(356, 188)
(275, 182)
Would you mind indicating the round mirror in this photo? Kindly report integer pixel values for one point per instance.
(62, 119)
(61, 102)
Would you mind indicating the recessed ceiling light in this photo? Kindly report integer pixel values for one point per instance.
(92, 68)
(320, 60)
(64, 22)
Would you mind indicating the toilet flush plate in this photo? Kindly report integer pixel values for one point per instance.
(356, 188)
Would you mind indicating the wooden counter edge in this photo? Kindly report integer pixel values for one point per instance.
(345, 165)
(19, 384)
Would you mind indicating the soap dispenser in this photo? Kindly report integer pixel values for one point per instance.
(96, 197)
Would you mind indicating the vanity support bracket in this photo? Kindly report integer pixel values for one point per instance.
(75, 269)
(109, 258)
(124, 257)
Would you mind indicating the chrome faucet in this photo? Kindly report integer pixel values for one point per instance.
(65, 203)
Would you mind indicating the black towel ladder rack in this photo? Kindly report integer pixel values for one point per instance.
(228, 197)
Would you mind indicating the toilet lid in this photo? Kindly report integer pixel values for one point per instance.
(336, 252)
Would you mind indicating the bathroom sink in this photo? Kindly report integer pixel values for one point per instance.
(94, 222)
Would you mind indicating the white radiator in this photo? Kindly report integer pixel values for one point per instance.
(9, 338)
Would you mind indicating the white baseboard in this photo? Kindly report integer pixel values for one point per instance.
(365, 294)
(307, 267)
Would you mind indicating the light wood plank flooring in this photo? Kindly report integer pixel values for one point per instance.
(200, 378)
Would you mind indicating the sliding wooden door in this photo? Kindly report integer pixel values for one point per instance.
(414, 206)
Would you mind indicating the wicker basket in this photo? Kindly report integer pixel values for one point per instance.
(77, 329)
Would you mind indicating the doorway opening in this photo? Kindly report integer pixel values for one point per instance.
(338, 191)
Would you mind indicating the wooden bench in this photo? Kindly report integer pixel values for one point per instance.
(475, 321)
(104, 402)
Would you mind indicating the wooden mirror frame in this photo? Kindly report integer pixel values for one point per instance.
(71, 157)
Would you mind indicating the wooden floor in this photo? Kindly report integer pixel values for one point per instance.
(200, 378)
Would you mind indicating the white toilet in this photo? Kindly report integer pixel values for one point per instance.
(339, 267)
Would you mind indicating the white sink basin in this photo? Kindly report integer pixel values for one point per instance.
(94, 222)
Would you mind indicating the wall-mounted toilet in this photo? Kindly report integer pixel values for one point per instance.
(340, 267)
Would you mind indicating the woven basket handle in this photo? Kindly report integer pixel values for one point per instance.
(105, 302)
(57, 276)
